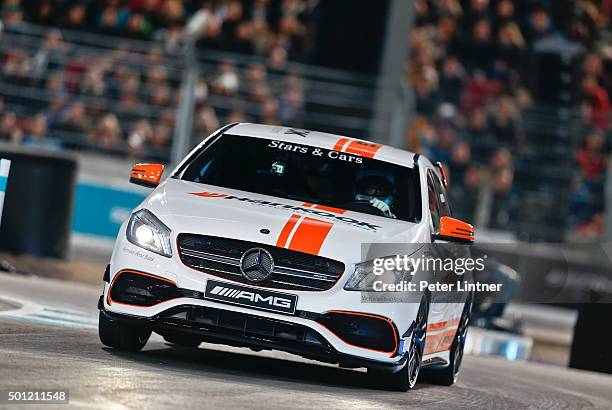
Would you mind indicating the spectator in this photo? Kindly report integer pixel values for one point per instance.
(108, 134)
(592, 229)
(172, 13)
(37, 133)
(501, 161)
(205, 121)
(111, 19)
(40, 12)
(9, 130)
(539, 25)
(227, 80)
(580, 202)
(478, 131)
(477, 10)
(11, 12)
(290, 105)
(48, 55)
(480, 47)
(75, 121)
(138, 27)
(591, 158)
(236, 116)
(596, 104)
(510, 44)
(479, 91)
(269, 111)
(504, 12)
(426, 89)
(75, 19)
(452, 79)
(443, 148)
(504, 123)
(278, 58)
(160, 138)
(461, 156)
(139, 135)
(54, 111)
(197, 26)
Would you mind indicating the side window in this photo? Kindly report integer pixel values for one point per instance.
(444, 206)
(434, 203)
(438, 199)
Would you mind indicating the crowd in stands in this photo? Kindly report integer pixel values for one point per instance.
(469, 67)
(118, 101)
(468, 64)
(280, 29)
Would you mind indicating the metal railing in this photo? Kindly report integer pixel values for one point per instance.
(550, 200)
(48, 70)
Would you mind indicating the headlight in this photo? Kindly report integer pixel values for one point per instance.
(148, 232)
(364, 276)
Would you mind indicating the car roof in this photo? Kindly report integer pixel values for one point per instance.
(324, 140)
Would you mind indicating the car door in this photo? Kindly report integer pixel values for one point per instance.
(446, 306)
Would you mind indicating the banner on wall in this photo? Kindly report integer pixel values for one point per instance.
(5, 166)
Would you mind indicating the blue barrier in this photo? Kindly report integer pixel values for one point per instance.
(100, 209)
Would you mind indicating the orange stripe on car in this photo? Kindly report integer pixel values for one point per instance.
(340, 144)
(363, 148)
(209, 194)
(309, 236)
(442, 325)
(286, 231)
(439, 342)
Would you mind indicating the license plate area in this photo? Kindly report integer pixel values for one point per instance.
(260, 299)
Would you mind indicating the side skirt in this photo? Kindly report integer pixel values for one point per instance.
(438, 359)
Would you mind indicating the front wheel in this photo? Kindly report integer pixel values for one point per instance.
(405, 379)
(122, 336)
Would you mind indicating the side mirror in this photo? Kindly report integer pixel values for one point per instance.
(147, 175)
(454, 230)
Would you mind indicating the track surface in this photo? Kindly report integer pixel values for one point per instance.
(57, 347)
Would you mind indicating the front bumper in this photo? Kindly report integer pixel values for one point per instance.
(309, 304)
(220, 326)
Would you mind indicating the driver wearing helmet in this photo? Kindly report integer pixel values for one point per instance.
(377, 188)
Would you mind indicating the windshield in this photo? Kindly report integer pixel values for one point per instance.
(309, 174)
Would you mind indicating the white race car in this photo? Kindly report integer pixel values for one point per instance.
(263, 237)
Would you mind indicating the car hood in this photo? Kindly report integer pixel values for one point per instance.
(189, 207)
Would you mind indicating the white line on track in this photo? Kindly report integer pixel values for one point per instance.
(35, 313)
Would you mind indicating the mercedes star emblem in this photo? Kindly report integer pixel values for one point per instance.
(256, 264)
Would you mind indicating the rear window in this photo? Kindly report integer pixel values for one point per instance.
(309, 174)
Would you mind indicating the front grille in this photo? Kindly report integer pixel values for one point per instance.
(293, 270)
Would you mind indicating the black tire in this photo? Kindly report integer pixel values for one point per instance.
(184, 340)
(406, 378)
(122, 336)
(448, 375)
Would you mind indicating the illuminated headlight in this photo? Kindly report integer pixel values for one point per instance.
(148, 232)
(366, 275)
